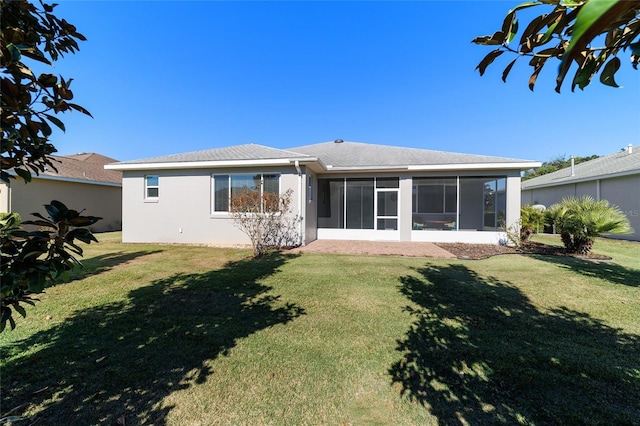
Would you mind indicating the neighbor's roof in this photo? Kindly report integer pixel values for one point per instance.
(83, 167)
(621, 163)
(328, 156)
(352, 155)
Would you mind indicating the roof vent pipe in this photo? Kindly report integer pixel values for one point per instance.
(630, 149)
(573, 167)
(338, 141)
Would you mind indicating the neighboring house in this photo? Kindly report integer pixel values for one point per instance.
(80, 182)
(341, 190)
(614, 177)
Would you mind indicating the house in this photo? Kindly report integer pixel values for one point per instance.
(341, 190)
(80, 182)
(614, 177)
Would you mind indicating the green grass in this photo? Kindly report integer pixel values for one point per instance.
(183, 335)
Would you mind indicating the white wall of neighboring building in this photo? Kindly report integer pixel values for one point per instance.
(622, 191)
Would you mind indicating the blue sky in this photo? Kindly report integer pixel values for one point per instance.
(169, 77)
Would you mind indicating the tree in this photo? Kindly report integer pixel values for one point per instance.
(265, 218)
(30, 103)
(555, 164)
(34, 260)
(581, 220)
(590, 32)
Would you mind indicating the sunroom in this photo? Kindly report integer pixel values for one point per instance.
(411, 208)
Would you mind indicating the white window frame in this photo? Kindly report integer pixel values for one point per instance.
(147, 187)
(229, 177)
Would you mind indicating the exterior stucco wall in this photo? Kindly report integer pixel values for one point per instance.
(96, 200)
(621, 191)
(183, 212)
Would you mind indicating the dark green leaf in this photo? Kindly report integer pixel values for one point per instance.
(83, 235)
(44, 223)
(74, 248)
(549, 32)
(525, 5)
(531, 29)
(507, 24)
(45, 128)
(533, 78)
(594, 17)
(481, 40)
(19, 309)
(24, 174)
(41, 217)
(507, 70)
(36, 55)
(55, 121)
(514, 31)
(584, 74)
(79, 108)
(84, 220)
(57, 211)
(482, 66)
(609, 71)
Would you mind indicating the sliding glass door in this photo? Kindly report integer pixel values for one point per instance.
(358, 203)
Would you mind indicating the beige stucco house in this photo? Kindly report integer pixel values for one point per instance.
(614, 177)
(341, 190)
(80, 182)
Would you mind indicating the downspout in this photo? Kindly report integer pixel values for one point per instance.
(299, 170)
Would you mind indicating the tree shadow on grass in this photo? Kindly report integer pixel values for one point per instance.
(117, 362)
(604, 270)
(102, 263)
(480, 353)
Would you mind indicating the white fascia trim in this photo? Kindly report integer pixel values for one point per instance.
(365, 168)
(205, 164)
(437, 167)
(477, 166)
(580, 180)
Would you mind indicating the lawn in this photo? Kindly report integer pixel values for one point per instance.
(178, 335)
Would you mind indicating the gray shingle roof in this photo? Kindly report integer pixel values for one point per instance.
(619, 163)
(356, 154)
(232, 153)
(336, 156)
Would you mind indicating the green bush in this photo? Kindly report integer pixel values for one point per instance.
(580, 220)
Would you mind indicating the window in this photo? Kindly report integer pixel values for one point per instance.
(225, 187)
(435, 195)
(151, 187)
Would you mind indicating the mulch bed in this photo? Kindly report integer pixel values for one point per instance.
(483, 251)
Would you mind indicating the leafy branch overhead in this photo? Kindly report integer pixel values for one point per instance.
(29, 102)
(589, 33)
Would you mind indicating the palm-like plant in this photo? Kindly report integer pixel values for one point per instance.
(581, 220)
(531, 219)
